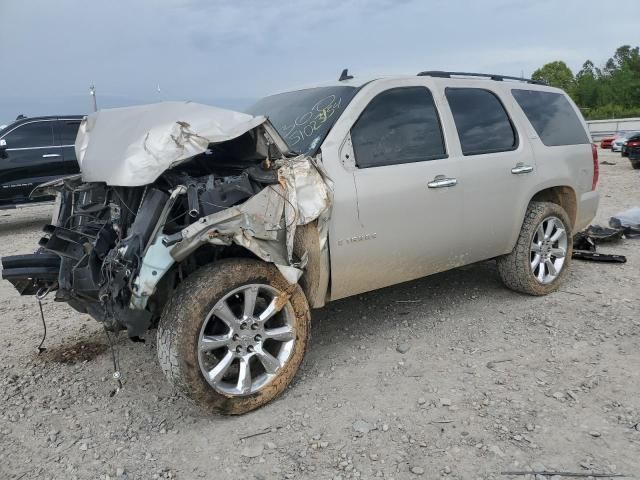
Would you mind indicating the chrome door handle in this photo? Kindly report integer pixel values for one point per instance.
(51, 155)
(441, 182)
(521, 168)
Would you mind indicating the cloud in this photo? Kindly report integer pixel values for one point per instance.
(215, 49)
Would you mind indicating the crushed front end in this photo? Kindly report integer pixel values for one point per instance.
(187, 186)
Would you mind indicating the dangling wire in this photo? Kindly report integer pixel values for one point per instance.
(115, 357)
(44, 325)
(40, 295)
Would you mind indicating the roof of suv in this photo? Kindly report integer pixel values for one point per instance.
(358, 82)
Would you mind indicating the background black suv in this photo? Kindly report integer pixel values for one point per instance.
(33, 151)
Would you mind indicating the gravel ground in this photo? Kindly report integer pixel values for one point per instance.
(489, 381)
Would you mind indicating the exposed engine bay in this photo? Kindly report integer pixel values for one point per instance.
(116, 249)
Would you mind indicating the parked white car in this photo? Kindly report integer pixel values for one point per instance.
(225, 229)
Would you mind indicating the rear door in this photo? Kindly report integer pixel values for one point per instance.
(561, 144)
(498, 169)
(30, 158)
(396, 205)
(64, 137)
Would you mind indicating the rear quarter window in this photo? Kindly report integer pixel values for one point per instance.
(482, 122)
(552, 116)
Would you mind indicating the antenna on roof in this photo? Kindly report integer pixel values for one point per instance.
(345, 75)
(92, 92)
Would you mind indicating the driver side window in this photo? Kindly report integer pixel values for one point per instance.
(30, 135)
(400, 125)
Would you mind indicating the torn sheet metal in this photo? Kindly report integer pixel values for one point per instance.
(307, 193)
(265, 225)
(133, 146)
(253, 224)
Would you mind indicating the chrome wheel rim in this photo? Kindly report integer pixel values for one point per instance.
(246, 339)
(548, 250)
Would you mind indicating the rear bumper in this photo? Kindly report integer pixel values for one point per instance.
(587, 208)
(30, 273)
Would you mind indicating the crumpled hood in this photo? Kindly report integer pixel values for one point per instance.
(133, 146)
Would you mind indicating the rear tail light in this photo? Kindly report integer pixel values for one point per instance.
(596, 167)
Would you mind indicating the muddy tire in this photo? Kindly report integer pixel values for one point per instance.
(541, 259)
(635, 164)
(208, 345)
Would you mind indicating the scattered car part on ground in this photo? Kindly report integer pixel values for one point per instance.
(226, 228)
(622, 225)
(604, 234)
(628, 221)
(599, 257)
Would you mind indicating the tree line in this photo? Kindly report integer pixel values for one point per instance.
(609, 91)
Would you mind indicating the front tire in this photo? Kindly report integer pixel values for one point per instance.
(540, 261)
(233, 335)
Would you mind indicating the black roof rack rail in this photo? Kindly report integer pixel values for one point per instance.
(492, 76)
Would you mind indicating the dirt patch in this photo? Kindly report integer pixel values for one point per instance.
(71, 354)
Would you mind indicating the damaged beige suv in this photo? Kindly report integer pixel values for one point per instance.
(225, 229)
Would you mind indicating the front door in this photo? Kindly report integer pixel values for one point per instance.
(397, 205)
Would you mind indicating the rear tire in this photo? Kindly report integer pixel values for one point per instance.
(197, 337)
(520, 270)
(635, 164)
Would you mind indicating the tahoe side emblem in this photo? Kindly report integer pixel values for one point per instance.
(357, 238)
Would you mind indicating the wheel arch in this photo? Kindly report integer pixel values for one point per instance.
(562, 195)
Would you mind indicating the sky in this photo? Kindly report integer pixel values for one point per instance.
(230, 53)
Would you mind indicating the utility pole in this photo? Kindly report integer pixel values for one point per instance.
(92, 92)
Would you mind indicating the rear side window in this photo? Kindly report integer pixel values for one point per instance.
(481, 120)
(552, 116)
(65, 131)
(400, 125)
(30, 135)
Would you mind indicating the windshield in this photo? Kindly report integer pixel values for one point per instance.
(304, 117)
